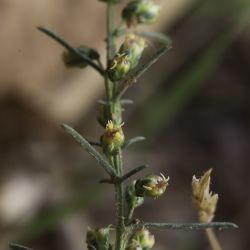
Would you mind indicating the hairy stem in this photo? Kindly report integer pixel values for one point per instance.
(119, 197)
(214, 243)
(117, 159)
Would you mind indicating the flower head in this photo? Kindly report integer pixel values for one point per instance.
(141, 239)
(204, 200)
(133, 47)
(113, 138)
(98, 238)
(140, 12)
(152, 186)
(119, 67)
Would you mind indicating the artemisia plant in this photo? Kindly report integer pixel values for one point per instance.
(122, 69)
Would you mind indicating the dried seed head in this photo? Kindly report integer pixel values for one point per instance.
(152, 186)
(140, 12)
(204, 200)
(141, 239)
(113, 138)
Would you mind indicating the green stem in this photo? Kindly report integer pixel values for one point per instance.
(110, 47)
(119, 197)
(110, 92)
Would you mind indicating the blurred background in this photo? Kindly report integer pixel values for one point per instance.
(193, 107)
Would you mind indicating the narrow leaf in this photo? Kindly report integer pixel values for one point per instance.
(159, 37)
(133, 140)
(72, 49)
(90, 149)
(186, 226)
(14, 246)
(132, 172)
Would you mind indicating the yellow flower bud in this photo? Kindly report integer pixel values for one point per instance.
(203, 198)
(113, 138)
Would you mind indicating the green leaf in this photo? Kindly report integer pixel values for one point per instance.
(132, 172)
(91, 150)
(77, 51)
(14, 246)
(133, 140)
(161, 38)
(71, 59)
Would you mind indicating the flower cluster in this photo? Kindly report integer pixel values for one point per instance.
(127, 57)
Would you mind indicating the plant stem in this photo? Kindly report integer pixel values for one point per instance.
(117, 159)
(119, 197)
(110, 47)
(214, 243)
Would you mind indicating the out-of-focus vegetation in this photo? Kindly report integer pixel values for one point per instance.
(193, 107)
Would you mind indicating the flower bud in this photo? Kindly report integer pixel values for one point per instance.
(152, 186)
(133, 201)
(204, 200)
(141, 240)
(140, 11)
(133, 47)
(98, 239)
(72, 59)
(119, 67)
(113, 138)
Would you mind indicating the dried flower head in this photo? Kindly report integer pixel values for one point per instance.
(204, 200)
